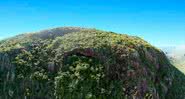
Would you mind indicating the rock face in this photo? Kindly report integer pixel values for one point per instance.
(83, 63)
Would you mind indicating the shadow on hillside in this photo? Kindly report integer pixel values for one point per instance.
(177, 89)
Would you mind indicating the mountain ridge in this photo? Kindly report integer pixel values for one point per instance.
(86, 63)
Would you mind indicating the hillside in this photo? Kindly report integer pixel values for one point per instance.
(79, 63)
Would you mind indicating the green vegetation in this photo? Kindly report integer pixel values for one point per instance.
(78, 63)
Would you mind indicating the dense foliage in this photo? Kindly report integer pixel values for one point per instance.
(76, 63)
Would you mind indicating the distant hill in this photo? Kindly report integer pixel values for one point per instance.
(81, 63)
(177, 56)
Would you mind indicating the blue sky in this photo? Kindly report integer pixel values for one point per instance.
(160, 22)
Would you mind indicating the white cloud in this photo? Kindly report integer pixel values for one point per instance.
(179, 51)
